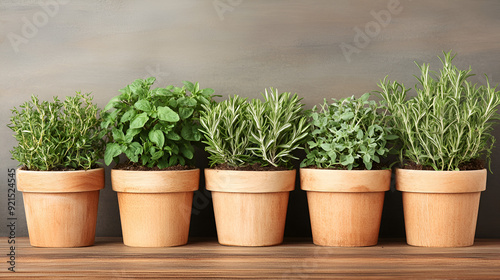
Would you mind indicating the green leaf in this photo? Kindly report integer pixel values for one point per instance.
(139, 121)
(128, 115)
(347, 116)
(143, 105)
(163, 92)
(326, 147)
(163, 163)
(172, 103)
(207, 92)
(157, 155)
(187, 153)
(359, 135)
(133, 151)
(391, 137)
(118, 135)
(189, 86)
(190, 133)
(346, 160)
(173, 136)
(172, 161)
(366, 158)
(131, 133)
(115, 100)
(112, 150)
(185, 113)
(157, 137)
(167, 114)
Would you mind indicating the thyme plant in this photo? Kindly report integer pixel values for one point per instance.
(58, 135)
(240, 133)
(450, 120)
(348, 133)
(155, 127)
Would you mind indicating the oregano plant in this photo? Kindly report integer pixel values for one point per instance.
(447, 125)
(348, 134)
(155, 127)
(58, 135)
(239, 133)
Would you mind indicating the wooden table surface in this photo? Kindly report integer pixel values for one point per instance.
(295, 259)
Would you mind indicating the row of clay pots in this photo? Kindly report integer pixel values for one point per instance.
(440, 207)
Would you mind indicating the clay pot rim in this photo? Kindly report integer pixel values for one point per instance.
(335, 180)
(431, 181)
(60, 181)
(158, 181)
(58, 171)
(250, 181)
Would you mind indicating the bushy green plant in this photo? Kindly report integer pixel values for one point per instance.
(348, 133)
(155, 127)
(240, 133)
(58, 135)
(449, 122)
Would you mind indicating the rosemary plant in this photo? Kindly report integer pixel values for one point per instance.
(348, 133)
(240, 133)
(226, 131)
(58, 135)
(449, 122)
(278, 127)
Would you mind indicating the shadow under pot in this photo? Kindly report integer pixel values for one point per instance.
(155, 206)
(440, 207)
(250, 206)
(345, 206)
(61, 206)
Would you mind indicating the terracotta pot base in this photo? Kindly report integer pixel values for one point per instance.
(61, 206)
(155, 219)
(345, 206)
(250, 219)
(155, 206)
(440, 220)
(345, 219)
(61, 219)
(440, 207)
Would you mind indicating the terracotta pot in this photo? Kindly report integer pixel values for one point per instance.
(440, 207)
(250, 206)
(61, 206)
(345, 206)
(155, 206)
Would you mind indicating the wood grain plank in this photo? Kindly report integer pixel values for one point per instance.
(295, 259)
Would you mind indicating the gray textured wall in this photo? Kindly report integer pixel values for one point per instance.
(235, 46)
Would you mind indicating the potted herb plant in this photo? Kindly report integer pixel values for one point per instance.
(59, 145)
(342, 173)
(155, 129)
(250, 146)
(445, 135)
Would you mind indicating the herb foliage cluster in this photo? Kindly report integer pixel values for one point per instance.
(155, 127)
(349, 134)
(58, 135)
(449, 121)
(241, 133)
